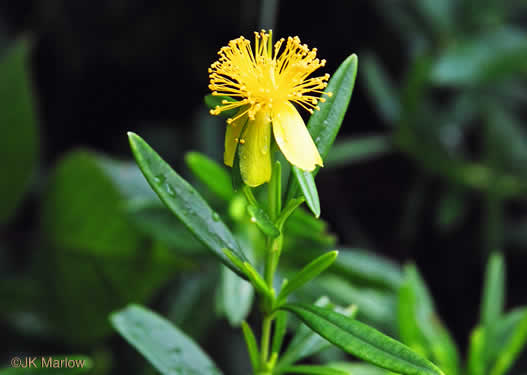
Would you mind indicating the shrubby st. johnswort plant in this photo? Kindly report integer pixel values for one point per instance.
(262, 85)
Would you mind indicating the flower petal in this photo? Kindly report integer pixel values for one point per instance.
(232, 134)
(293, 138)
(255, 150)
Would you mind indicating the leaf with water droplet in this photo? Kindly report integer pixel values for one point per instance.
(262, 220)
(186, 203)
(170, 190)
(159, 179)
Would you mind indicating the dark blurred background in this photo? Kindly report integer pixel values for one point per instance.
(441, 81)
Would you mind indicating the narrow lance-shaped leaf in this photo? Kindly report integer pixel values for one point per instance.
(252, 346)
(512, 348)
(476, 354)
(381, 89)
(262, 220)
(306, 181)
(359, 368)
(308, 273)
(279, 331)
(19, 141)
(168, 349)
(429, 333)
(185, 202)
(324, 125)
(235, 295)
(210, 173)
(504, 328)
(306, 342)
(363, 341)
(257, 281)
(494, 290)
(361, 266)
(313, 370)
(275, 191)
(354, 150)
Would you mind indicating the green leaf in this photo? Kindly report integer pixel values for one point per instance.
(189, 304)
(354, 150)
(381, 89)
(362, 341)
(493, 299)
(306, 342)
(279, 331)
(493, 55)
(307, 273)
(476, 362)
(51, 365)
(160, 224)
(375, 306)
(211, 174)
(503, 330)
(275, 191)
(313, 370)
(167, 348)
(324, 125)
(288, 210)
(309, 189)
(421, 328)
(252, 346)
(358, 368)
(262, 220)
(511, 348)
(211, 101)
(236, 177)
(185, 202)
(257, 281)
(19, 144)
(95, 255)
(303, 226)
(439, 15)
(236, 296)
(367, 268)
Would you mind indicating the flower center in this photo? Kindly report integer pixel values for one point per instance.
(266, 76)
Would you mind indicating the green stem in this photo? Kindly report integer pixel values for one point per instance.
(266, 339)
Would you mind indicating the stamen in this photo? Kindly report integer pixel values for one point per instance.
(266, 74)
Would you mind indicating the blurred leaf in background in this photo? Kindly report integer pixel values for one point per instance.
(19, 143)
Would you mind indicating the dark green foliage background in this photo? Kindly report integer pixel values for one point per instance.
(437, 172)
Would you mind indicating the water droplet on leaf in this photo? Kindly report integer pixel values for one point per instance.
(170, 190)
(159, 179)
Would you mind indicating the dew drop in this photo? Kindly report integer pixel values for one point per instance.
(170, 190)
(215, 216)
(159, 179)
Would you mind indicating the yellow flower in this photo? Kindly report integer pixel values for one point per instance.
(267, 81)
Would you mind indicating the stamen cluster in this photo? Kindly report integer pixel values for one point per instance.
(266, 76)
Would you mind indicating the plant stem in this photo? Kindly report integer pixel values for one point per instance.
(266, 339)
